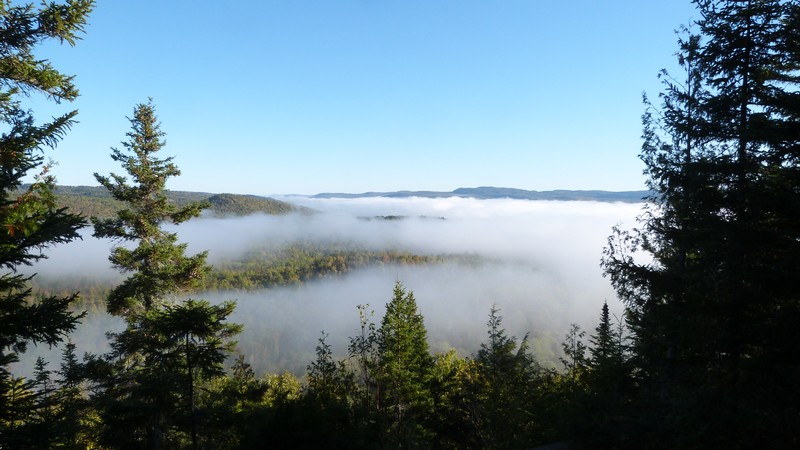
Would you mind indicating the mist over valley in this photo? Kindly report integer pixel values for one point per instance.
(537, 260)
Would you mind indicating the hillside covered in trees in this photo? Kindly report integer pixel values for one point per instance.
(705, 355)
(95, 201)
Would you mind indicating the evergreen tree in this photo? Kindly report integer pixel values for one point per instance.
(607, 353)
(504, 389)
(29, 217)
(170, 351)
(574, 359)
(329, 405)
(74, 424)
(405, 366)
(595, 419)
(149, 380)
(712, 316)
(158, 265)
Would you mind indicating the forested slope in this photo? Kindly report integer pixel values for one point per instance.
(95, 201)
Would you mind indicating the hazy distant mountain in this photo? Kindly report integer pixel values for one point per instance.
(96, 201)
(489, 192)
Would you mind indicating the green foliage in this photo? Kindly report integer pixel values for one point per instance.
(608, 360)
(29, 217)
(262, 267)
(148, 385)
(713, 315)
(505, 389)
(157, 364)
(158, 264)
(596, 400)
(574, 359)
(453, 383)
(363, 351)
(223, 205)
(232, 406)
(329, 381)
(404, 370)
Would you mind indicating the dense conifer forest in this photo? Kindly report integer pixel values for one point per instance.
(705, 355)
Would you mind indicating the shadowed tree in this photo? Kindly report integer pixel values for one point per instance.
(179, 346)
(595, 418)
(713, 316)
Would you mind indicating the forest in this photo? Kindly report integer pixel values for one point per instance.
(704, 356)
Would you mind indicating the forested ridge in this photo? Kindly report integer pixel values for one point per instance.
(95, 201)
(705, 355)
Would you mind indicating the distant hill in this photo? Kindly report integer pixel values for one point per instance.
(242, 205)
(489, 192)
(96, 201)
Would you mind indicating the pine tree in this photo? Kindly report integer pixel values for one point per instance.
(29, 216)
(712, 316)
(574, 359)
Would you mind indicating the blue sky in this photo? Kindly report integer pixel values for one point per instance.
(301, 97)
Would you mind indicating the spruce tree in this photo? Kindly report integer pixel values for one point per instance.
(158, 265)
(149, 381)
(713, 316)
(30, 219)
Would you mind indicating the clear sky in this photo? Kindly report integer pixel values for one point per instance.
(301, 97)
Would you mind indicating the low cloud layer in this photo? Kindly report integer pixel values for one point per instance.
(542, 268)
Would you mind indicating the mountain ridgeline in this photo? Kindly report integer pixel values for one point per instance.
(490, 192)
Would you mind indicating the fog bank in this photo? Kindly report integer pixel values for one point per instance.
(541, 266)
